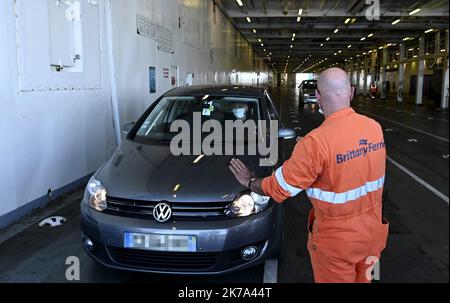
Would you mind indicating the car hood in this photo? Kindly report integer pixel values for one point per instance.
(153, 173)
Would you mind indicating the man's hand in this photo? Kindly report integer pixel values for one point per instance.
(241, 172)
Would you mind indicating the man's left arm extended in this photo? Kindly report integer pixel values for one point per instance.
(296, 174)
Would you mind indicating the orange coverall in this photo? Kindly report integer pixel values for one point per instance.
(341, 166)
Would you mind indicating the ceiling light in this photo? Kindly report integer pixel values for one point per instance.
(328, 38)
(414, 11)
(339, 51)
(370, 35)
(293, 35)
(300, 11)
(321, 44)
(262, 44)
(293, 39)
(406, 38)
(363, 38)
(347, 20)
(336, 30)
(249, 20)
(396, 21)
(299, 18)
(254, 31)
(259, 40)
(239, 2)
(429, 30)
(292, 46)
(380, 47)
(349, 46)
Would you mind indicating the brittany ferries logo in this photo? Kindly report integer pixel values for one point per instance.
(365, 147)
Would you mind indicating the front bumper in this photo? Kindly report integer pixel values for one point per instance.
(309, 99)
(219, 242)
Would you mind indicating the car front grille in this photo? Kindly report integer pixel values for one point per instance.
(163, 260)
(179, 261)
(180, 210)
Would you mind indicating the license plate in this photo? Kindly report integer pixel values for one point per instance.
(154, 242)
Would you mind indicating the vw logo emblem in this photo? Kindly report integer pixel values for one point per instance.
(162, 212)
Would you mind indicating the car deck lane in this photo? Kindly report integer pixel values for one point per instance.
(417, 250)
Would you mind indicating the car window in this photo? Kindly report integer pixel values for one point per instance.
(157, 124)
(309, 85)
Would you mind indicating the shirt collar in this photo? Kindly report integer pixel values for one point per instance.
(340, 113)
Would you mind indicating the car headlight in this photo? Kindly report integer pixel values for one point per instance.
(96, 195)
(246, 204)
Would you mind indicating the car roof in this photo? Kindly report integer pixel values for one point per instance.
(218, 90)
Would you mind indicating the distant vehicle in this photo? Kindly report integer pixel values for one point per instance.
(308, 92)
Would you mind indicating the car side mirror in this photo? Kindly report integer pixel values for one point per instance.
(286, 133)
(127, 127)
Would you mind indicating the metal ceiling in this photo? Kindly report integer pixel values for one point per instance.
(273, 24)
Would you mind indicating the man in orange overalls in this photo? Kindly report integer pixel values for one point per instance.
(341, 166)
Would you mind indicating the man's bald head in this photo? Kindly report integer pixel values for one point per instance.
(334, 90)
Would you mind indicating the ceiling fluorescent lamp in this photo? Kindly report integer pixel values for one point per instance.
(414, 11)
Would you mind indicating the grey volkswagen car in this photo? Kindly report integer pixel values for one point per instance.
(149, 210)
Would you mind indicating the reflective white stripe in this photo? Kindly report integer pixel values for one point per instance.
(293, 191)
(351, 195)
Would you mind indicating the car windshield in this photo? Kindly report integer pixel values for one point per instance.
(310, 84)
(169, 109)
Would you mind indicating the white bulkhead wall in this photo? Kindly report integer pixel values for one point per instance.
(57, 127)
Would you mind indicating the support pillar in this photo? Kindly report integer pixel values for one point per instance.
(419, 85)
(366, 71)
(445, 92)
(383, 79)
(401, 72)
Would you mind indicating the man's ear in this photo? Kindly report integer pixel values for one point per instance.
(352, 94)
(318, 95)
